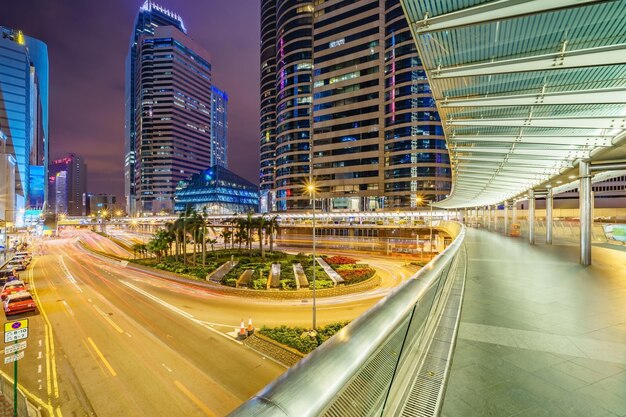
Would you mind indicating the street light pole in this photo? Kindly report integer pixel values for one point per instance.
(431, 230)
(314, 264)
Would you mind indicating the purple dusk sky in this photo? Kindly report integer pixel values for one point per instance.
(87, 45)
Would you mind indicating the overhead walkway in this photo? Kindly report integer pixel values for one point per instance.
(540, 335)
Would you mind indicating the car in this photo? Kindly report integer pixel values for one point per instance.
(17, 265)
(12, 287)
(23, 258)
(19, 302)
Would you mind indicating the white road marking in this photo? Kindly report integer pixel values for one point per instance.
(69, 274)
(178, 311)
(68, 308)
(39, 369)
(165, 366)
(39, 355)
(108, 319)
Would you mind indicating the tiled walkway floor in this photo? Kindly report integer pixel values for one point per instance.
(540, 335)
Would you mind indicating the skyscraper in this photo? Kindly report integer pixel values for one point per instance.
(168, 109)
(219, 127)
(67, 182)
(351, 108)
(24, 116)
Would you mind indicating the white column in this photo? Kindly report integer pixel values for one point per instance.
(531, 217)
(584, 196)
(549, 203)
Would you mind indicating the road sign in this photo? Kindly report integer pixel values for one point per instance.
(13, 358)
(14, 348)
(15, 330)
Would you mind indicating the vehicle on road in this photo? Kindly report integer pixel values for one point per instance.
(17, 265)
(12, 287)
(20, 302)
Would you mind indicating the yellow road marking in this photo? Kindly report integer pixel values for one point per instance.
(106, 363)
(59, 411)
(51, 377)
(194, 399)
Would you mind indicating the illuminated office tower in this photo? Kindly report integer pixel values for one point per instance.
(67, 183)
(219, 127)
(168, 110)
(24, 118)
(361, 122)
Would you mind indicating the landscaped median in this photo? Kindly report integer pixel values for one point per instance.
(288, 345)
(251, 271)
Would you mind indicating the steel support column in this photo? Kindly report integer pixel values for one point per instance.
(489, 218)
(531, 216)
(549, 203)
(584, 195)
(506, 218)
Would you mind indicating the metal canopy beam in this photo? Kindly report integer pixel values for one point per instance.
(488, 12)
(601, 122)
(590, 57)
(540, 140)
(600, 96)
(546, 153)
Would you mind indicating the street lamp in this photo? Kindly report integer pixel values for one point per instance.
(310, 188)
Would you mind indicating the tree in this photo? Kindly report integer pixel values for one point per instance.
(260, 226)
(212, 242)
(226, 235)
(271, 227)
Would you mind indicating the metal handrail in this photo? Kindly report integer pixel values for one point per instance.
(316, 382)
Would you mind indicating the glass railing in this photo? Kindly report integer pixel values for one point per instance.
(372, 366)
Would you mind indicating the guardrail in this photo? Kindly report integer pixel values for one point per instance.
(372, 366)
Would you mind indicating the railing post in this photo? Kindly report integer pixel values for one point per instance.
(531, 217)
(584, 193)
(549, 203)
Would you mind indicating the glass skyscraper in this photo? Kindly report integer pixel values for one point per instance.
(169, 101)
(345, 101)
(24, 117)
(219, 127)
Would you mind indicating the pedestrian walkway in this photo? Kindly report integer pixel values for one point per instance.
(540, 334)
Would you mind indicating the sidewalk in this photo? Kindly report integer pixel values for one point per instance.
(540, 334)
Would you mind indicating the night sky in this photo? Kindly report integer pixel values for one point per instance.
(87, 45)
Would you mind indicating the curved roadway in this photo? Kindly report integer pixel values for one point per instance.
(110, 341)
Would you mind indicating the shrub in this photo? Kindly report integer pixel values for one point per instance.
(259, 284)
(299, 338)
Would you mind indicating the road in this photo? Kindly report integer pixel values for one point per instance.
(110, 341)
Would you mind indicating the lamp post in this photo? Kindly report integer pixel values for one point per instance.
(310, 187)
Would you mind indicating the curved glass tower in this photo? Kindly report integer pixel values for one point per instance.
(353, 109)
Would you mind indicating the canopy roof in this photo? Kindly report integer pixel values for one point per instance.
(525, 89)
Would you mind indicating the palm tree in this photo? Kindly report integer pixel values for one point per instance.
(212, 242)
(249, 226)
(272, 227)
(260, 225)
(226, 235)
(240, 235)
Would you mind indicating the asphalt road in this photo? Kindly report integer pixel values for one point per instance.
(110, 341)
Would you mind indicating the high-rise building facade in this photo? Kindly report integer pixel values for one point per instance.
(219, 127)
(67, 183)
(24, 117)
(168, 117)
(353, 108)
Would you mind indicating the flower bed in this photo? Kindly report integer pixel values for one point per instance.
(339, 260)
